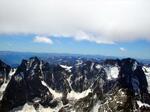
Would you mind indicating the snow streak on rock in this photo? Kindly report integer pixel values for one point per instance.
(55, 94)
(67, 68)
(76, 95)
(26, 108)
(147, 73)
(140, 104)
(4, 85)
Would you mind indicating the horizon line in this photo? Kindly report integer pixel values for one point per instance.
(120, 57)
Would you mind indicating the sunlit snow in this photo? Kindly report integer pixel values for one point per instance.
(98, 66)
(55, 94)
(112, 72)
(140, 104)
(4, 85)
(147, 73)
(67, 68)
(26, 108)
(96, 107)
(77, 95)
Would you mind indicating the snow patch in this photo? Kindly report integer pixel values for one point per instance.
(55, 94)
(41, 69)
(12, 72)
(76, 95)
(36, 100)
(26, 108)
(67, 68)
(92, 66)
(4, 85)
(98, 66)
(2, 89)
(56, 109)
(140, 104)
(96, 107)
(147, 73)
(146, 70)
(112, 72)
(69, 81)
(134, 66)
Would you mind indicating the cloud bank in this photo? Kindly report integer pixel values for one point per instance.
(40, 39)
(100, 21)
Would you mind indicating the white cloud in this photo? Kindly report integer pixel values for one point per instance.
(122, 49)
(100, 21)
(40, 39)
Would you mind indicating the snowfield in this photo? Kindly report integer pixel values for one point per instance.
(72, 95)
(98, 66)
(67, 68)
(96, 107)
(147, 73)
(112, 72)
(76, 95)
(55, 94)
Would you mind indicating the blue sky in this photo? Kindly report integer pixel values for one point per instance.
(24, 43)
(106, 27)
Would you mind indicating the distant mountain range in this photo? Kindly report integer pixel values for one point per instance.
(14, 58)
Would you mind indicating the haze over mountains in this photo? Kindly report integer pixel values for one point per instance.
(14, 58)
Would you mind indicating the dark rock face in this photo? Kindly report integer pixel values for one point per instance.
(131, 76)
(79, 78)
(86, 75)
(4, 71)
(26, 84)
(126, 73)
(56, 77)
